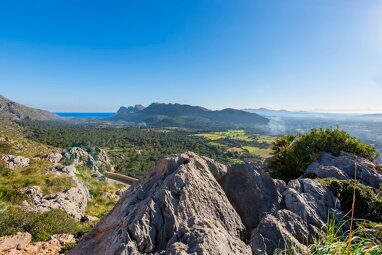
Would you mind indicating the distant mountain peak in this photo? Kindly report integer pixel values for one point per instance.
(183, 115)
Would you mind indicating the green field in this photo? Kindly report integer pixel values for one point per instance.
(242, 143)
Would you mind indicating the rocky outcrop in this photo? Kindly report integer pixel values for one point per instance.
(13, 162)
(188, 204)
(178, 208)
(72, 201)
(252, 192)
(20, 244)
(81, 157)
(54, 157)
(345, 167)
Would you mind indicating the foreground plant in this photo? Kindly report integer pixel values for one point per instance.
(336, 241)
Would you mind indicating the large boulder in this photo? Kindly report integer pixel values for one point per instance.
(307, 207)
(252, 192)
(72, 201)
(178, 208)
(347, 166)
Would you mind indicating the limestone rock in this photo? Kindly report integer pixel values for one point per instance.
(54, 157)
(15, 161)
(347, 166)
(252, 192)
(18, 241)
(178, 208)
(311, 201)
(308, 205)
(276, 230)
(72, 201)
(20, 244)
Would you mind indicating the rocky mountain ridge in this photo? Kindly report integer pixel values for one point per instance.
(16, 111)
(188, 204)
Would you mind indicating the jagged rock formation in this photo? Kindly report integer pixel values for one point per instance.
(178, 207)
(20, 244)
(188, 204)
(345, 167)
(15, 161)
(73, 201)
(15, 111)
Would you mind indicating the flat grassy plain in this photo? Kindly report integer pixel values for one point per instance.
(241, 142)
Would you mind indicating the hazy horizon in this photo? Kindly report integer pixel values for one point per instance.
(95, 57)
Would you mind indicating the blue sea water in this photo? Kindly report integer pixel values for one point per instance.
(99, 115)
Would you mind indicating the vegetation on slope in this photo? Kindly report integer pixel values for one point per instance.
(338, 240)
(293, 154)
(13, 182)
(133, 150)
(40, 225)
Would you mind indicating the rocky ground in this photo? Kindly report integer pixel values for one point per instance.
(189, 204)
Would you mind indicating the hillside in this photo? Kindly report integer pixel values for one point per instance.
(178, 115)
(16, 111)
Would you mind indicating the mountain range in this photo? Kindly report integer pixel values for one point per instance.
(180, 115)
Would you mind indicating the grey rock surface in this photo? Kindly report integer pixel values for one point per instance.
(13, 162)
(178, 208)
(72, 201)
(253, 193)
(347, 166)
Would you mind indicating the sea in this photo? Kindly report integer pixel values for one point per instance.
(98, 115)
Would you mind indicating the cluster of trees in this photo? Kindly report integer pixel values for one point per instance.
(133, 149)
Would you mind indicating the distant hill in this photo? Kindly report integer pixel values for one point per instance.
(179, 115)
(263, 110)
(16, 111)
(372, 116)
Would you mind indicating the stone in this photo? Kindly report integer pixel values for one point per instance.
(13, 162)
(252, 192)
(276, 230)
(15, 242)
(54, 157)
(347, 166)
(177, 208)
(72, 201)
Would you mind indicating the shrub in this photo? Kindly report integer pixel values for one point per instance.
(368, 206)
(40, 225)
(67, 247)
(293, 154)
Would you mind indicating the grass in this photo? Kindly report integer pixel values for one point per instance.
(13, 182)
(40, 225)
(15, 144)
(263, 153)
(100, 204)
(363, 240)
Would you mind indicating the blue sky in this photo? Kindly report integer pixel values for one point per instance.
(99, 55)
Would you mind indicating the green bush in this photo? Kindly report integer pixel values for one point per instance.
(40, 225)
(67, 247)
(293, 154)
(368, 206)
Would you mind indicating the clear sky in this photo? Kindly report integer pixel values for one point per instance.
(66, 55)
